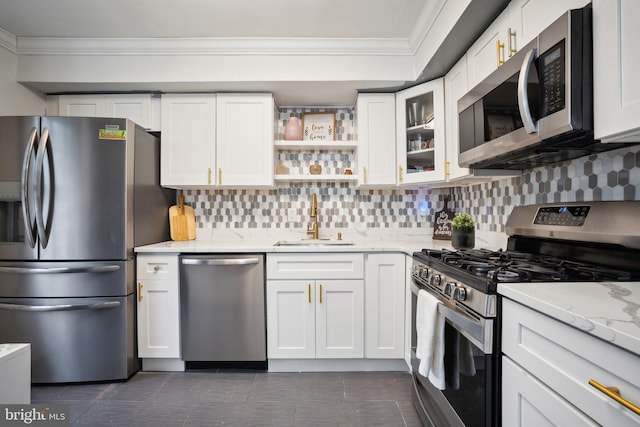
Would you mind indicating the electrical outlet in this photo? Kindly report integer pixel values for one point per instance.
(292, 215)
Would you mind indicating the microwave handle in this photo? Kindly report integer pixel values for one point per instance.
(523, 95)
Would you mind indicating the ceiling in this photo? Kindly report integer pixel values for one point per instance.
(394, 24)
(211, 18)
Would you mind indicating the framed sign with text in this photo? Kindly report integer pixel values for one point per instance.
(319, 126)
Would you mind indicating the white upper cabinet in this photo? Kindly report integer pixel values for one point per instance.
(245, 133)
(527, 18)
(516, 26)
(616, 61)
(490, 50)
(82, 105)
(455, 86)
(376, 139)
(140, 108)
(420, 139)
(188, 147)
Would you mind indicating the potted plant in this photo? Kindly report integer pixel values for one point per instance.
(463, 231)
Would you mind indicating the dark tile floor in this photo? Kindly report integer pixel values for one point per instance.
(246, 399)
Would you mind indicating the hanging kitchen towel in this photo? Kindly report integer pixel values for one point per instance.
(430, 339)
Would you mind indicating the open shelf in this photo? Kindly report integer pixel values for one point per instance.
(312, 145)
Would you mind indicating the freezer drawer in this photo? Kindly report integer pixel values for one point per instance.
(222, 308)
(73, 339)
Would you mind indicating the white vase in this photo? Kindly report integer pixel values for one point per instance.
(293, 130)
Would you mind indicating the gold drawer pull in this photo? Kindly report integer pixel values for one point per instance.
(139, 292)
(614, 393)
(499, 47)
(309, 292)
(320, 293)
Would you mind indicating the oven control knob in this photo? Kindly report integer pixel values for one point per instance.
(448, 289)
(435, 280)
(459, 293)
(424, 273)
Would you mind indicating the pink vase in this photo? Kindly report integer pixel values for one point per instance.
(293, 130)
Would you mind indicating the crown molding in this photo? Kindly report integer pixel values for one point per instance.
(214, 46)
(8, 41)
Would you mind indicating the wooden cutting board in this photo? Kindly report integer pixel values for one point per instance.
(182, 221)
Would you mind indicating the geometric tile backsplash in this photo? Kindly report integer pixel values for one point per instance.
(613, 175)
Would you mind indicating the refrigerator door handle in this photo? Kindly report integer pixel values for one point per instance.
(60, 270)
(42, 149)
(61, 307)
(29, 221)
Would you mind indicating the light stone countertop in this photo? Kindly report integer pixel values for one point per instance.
(610, 311)
(256, 241)
(10, 350)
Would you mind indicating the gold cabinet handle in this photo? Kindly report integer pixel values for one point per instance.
(499, 46)
(209, 176)
(219, 176)
(446, 168)
(614, 393)
(511, 36)
(399, 173)
(320, 293)
(139, 292)
(364, 173)
(309, 292)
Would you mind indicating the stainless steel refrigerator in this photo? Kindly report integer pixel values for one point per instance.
(76, 196)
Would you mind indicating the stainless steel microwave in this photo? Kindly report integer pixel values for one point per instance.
(537, 108)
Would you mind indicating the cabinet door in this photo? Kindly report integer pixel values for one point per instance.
(340, 319)
(527, 18)
(188, 155)
(384, 306)
(158, 319)
(489, 51)
(291, 319)
(616, 60)
(82, 105)
(376, 139)
(245, 139)
(420, 139)
(132, 107)
(528, 402)
(455, 86)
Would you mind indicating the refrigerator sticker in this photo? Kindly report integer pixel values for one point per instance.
(120, 135)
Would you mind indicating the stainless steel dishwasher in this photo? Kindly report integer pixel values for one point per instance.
(222, 308)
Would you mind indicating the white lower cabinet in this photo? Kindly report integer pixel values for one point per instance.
(158, 306)
(315, 319)
(528, 402)
(547, 369)
(315, 306)
(384, 306)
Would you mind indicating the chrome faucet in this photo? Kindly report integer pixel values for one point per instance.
(313, 213)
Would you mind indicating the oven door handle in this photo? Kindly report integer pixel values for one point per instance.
(478, 331)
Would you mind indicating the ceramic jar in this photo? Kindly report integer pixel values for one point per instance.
(293, 130)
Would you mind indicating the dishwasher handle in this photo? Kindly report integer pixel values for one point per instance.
(220, 261)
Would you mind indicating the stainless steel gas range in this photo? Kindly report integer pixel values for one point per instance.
(560, 242)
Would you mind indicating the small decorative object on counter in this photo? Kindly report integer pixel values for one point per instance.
(442, 223)
(315, 169)
(463, 231)
(281, 169)
(348, 172)
(293, 130)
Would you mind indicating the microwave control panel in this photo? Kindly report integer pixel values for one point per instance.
(551, 65)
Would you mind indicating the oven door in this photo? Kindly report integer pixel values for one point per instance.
(470, 397)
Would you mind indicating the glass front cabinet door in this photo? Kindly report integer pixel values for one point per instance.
(420, 125)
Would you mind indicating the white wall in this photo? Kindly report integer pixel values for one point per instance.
(16, 99)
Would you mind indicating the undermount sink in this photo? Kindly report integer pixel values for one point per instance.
(313, 242)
